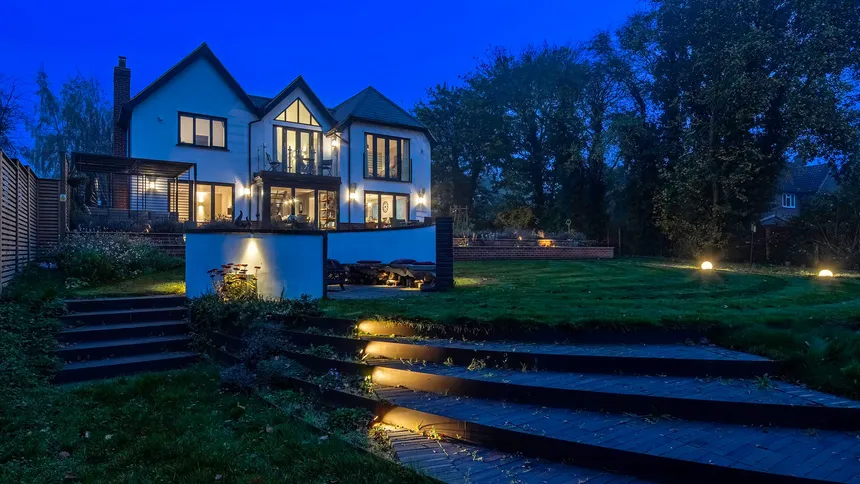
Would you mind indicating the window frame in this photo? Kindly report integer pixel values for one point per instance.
(212, 185)
(379, 195)
(316, 191)
(194, 117)
(789, 200)
(298, 114)
(370, 160)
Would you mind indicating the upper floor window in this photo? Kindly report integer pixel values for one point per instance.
(387, 158)
(201, 130)
(789, 200)
(297, 112)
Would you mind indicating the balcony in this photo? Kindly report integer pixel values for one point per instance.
(304, 164)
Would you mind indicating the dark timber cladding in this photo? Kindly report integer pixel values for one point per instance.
(444, 253)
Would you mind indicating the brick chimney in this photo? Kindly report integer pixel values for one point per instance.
(121, 95)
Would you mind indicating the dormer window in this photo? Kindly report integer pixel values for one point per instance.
(789, 200)
(297, 113)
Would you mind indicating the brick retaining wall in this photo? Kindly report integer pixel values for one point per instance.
(532, 253)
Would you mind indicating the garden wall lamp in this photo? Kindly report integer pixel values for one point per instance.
(421, 198)
(353, 191)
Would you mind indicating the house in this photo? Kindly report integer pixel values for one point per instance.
(364, 163)
(797, 184)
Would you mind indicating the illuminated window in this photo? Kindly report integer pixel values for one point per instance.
(789, 200)
(383, 210)
(199, 130)
(387, 158)
(213, 201)
(298, 113)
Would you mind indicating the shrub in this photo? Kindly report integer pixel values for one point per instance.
(102, 257)
(209, 313)
(274, 371)
(234, 282)
(237, 378)
(264, 341)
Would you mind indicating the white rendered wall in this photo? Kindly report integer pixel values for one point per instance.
(383, 245)
(291, 265)
(198, 89)
(419, 146)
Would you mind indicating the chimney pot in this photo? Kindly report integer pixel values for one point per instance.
(122, 61)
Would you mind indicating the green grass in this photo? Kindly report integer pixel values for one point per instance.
(781, 313)
(173, 427)
(157, 283)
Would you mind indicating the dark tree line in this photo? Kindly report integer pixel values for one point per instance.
(675, 128)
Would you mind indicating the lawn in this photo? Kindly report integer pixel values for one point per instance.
(780, 313)
(629, 292)
(157, 283)
(173, 427)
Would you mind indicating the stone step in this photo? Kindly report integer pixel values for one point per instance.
(120, 331)
(458, 462)
(751, 401)
(125, 316)
(111, 367)
(651, 446)
(666, 359)
(121, 303)
(122, 347)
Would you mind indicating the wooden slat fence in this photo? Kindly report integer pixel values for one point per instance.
(29, 217)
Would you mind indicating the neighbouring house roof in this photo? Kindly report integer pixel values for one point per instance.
(372, 106)
(368, 105)
(299, 82)
(805, 178)
(201, 52)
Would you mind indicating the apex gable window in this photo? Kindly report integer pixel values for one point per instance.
(387, 158)
(202, 130)
(789, 200)
(297, 113)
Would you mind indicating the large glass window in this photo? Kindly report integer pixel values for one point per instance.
(200, 130)
(387, 158)
(311, 208)
(383, 210)
(297, 151)
(297, 112)
(213, 201)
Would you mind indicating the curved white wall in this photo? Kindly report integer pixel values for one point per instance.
(291, 265)
(383, 245)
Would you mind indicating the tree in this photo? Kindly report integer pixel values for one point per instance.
(11, 114)
(78, 120)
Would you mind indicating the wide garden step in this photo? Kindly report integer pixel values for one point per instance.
(121, 303)
(123, 347)
(678, 360)
(125, 316)
(107, 332)
(457, 462)
(111, 367)
(663, 448)
(752, 401)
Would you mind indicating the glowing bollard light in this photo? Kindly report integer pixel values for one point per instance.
(707, 266)
(825, 273)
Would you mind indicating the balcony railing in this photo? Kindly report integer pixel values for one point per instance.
(303, 164)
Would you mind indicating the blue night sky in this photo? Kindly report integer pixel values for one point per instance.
(401, 48)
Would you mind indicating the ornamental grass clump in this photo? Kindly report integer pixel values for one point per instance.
(98, 258)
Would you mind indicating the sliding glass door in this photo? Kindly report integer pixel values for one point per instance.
(384, 210)
(312, 208)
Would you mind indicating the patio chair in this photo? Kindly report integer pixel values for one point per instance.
(335, 273)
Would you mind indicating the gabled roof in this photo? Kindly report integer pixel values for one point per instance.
(259, 101)
(299, 82)
(372, 106)
(805, 178)
(201, 52)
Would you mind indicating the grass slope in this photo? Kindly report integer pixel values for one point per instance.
(157, 283)
(173, 427)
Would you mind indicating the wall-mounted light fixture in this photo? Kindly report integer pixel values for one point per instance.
(151, 185)
(334, 142)
(246, 191)
(353, 191)
(421, 198)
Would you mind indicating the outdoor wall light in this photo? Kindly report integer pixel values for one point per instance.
(353, 191)
(151, 185)
(334, 142)
(707, 266)
(825, 273)
(421, 198)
